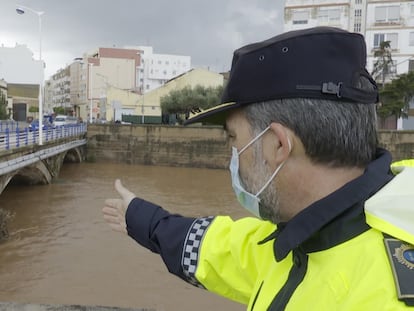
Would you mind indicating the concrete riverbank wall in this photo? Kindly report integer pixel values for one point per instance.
(205, 147)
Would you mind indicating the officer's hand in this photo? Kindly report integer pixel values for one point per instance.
(115, 209)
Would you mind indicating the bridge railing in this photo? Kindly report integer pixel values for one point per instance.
(11, 124)
(15, 137)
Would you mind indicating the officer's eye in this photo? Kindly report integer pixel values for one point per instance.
(231, 136)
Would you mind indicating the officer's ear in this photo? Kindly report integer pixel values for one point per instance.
(283, 142)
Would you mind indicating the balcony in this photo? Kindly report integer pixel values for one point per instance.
(388, 23)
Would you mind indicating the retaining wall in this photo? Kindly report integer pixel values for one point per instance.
(190, 146)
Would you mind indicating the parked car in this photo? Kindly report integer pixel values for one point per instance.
(34, 125)
(64, 120)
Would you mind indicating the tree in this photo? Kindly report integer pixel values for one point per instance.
(190, 99)
(33, 109)
(396, 96)
(3, 106)
(384, 63)
(59, 110)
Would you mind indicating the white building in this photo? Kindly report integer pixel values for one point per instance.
(300, 14)
(391, 21)
(60, 83)
(377, 20)
(156, 69)
(17, 65)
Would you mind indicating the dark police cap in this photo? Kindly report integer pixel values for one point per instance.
(321, 62)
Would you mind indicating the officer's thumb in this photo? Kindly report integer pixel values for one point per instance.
(125, 194)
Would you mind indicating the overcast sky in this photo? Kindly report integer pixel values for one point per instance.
(207, 30)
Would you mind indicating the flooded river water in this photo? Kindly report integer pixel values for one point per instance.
(60, 251)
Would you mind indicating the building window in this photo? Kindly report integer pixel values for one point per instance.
(300, 17)
(387, 14)
(411, 40)
(329, 16)
(357, 27)
(358, 13)
(378, 38)
(381, 37)
(410, 65)
(358, 1)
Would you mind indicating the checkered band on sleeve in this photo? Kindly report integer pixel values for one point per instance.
(191, 248)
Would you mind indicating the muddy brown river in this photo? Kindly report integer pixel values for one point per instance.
(60, 251)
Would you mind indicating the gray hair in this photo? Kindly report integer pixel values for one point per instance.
(338, 134)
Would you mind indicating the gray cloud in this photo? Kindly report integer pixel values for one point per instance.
(208, 31)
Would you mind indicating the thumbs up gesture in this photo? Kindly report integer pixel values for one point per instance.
(115, 209)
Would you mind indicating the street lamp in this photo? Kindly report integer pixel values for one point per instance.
(21, 10)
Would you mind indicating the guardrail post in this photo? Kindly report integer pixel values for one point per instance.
(26, 136)
(17, 138)
(34, 137)
(7, 138)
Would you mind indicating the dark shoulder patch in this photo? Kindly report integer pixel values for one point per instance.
(401, 256)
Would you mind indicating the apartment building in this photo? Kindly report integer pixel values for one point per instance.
(156, 69)
(81, 88)
(109, 67)
(391, 21)
(301, 14)
(60, 91)
(78, 87)
(377, 20)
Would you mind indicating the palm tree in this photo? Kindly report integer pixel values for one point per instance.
(384, 63)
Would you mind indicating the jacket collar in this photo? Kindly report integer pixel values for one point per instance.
(316, 223)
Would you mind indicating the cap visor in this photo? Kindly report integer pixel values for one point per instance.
(215, 115)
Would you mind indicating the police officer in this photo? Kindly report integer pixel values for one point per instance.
(333, 228)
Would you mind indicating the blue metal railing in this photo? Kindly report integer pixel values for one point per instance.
(15, 136)
(11, 125)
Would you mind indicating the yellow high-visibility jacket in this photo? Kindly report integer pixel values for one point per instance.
(337, 254)
(397, 166)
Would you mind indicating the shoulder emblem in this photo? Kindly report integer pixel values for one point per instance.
(401, 256)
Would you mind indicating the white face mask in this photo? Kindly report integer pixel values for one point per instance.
(248, 200)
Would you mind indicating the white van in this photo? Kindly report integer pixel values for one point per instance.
(64, 120)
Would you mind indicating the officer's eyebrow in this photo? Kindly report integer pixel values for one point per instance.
(227, 128)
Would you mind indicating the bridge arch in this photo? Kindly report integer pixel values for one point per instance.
(40, 166)
(75, 155)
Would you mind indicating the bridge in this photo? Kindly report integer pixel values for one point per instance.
(22, 159)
